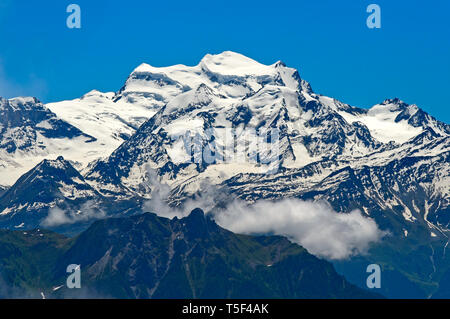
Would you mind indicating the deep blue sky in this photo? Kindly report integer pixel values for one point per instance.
(327, 40)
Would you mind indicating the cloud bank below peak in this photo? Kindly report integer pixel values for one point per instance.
(313, 225)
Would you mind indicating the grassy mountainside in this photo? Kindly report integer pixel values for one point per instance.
(147, 256)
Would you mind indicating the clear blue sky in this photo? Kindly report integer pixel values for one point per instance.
(327, 40)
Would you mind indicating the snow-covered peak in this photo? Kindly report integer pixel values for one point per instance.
(230, 74)
(144, 67)
(231, 63)
(147, 68)
(51, 184)
(225, 63)
(390, 106)
(393, 120)
(96, 95)
(59, 163)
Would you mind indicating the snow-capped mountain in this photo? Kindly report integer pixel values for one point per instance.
(30, 133)
(214, 108)
(55, 195)
(231, 91)
(390, 161)
(192, 128)
(392, 120)
(52, 184)
(82, 130)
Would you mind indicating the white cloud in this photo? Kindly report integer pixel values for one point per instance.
(313, 225)
(58, 216)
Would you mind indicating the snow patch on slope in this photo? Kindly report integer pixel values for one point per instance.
(381, 121)
(98, 115)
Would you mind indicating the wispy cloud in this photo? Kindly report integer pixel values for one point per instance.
(58, 216)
